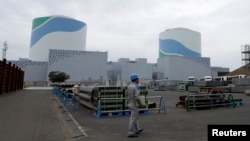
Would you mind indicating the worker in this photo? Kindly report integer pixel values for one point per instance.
(75, 89)
(132, 93)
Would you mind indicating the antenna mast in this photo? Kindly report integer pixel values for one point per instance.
(5, 48)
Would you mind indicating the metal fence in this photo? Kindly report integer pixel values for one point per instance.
(11, 77)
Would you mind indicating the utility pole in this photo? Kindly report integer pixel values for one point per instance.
(5, 48)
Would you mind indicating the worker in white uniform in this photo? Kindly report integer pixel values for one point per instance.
(132, 92)
(75, 89)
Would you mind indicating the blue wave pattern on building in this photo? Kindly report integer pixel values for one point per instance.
(173, 47)
(55, 24)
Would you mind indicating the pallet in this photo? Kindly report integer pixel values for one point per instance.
(107, 114)
(143, 112)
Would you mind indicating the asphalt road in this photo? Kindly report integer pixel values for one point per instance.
(37, 115)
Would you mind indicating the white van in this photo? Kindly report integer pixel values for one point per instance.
(191, 78)
(207, 78)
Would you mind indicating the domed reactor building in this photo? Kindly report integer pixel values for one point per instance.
(58, 44)
(180, 54)
(56, 32)
(180, 42)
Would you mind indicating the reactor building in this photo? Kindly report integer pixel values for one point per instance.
(180, 54)
(58, 44)
(56, 32)
(180, 42)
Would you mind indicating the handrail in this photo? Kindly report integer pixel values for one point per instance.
(162, 104)
(231, 100)
(188, 103)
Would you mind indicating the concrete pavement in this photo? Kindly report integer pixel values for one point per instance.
(38, 116)
(33, 115)
(176, 125)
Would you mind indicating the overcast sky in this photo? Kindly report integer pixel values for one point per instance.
(130, 28)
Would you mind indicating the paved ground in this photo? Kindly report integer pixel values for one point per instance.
(36, 115)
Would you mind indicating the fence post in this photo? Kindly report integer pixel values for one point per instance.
(5, 75)
(1, 76)
(11, 77)
(188, 103)
(231, 100)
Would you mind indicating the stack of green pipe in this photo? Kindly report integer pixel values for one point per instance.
(103, 93)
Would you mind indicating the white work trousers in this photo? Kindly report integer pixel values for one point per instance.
(133, 123)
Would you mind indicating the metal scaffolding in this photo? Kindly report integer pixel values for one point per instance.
(5, 48)
(245, 50)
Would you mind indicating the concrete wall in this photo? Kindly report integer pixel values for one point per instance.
(80, 65)
(179, 68)
(215, 70)
(122, 69)
(33, 70)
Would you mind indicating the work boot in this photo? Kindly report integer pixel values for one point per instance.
(139, 131)
(132, 135)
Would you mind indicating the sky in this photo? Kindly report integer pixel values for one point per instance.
(131, 28)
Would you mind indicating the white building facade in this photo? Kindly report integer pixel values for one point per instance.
(180, 68)
(122, 69)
